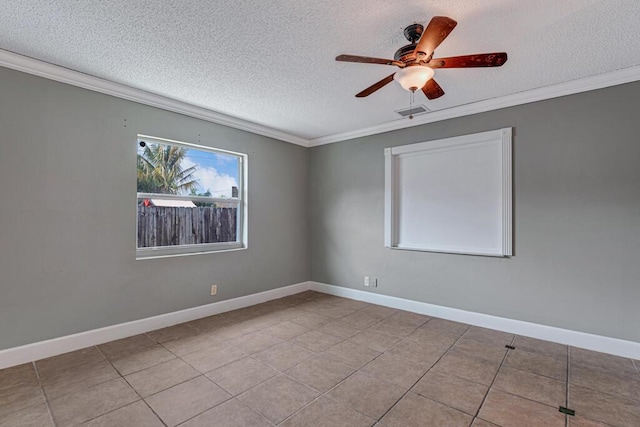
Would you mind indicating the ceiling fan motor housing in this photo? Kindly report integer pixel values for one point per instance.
(413, 32)
(405, 52)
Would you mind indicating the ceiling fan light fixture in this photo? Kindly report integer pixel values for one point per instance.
(414, 77)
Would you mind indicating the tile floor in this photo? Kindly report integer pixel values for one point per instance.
(317, 360)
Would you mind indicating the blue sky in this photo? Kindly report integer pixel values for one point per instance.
(225, 164)
(216, 172)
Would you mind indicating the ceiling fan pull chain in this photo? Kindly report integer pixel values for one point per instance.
(411, 93)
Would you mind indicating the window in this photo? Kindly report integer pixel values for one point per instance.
(190, 198)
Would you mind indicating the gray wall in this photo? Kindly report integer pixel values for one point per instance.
(576, 222)
(68, 216)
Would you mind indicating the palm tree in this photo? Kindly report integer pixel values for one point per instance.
(146, 182)
(160, 170)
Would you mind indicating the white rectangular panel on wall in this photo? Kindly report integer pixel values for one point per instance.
(451, 195)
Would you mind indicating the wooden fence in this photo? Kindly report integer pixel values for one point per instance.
(169, 226)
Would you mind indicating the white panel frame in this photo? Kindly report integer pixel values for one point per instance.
(392, 154)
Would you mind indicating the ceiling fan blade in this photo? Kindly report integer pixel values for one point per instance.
(496, 59)
(432, 89)
(368, 60)
(438, 29)
(374, 87)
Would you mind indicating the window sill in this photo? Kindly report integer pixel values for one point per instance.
(171, 252)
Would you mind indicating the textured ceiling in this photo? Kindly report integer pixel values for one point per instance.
(272, 62)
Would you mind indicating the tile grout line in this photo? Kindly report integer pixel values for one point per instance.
(512, 394)
(21, 383)
(325, 394)
(479, 383)
(202, 374)
(208, 409)
(246, 355)
(506, 354)
(250, 409)
(568, 375)
(44, 395)
(527, 399)
(590, 388)
(180, 358)
(69, 369)
(314, 354)
(225, 341)
(536, 373)
(348, 376)
(250, 388)
(123, 377)
(105, 381)
(462, 336)
(321, 393)
(423, 375)
(334, 319)
(290, 340)
(134, 390)
(428, 370)
(530, 372)
(280, 372)
(86, 387)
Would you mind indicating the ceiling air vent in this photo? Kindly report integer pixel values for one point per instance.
(417, 109)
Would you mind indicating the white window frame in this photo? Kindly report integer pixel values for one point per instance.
(498, 143)
(199, 248)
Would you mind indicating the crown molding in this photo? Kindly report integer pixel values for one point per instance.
(96, 84)
(599, 81)
(75, 78)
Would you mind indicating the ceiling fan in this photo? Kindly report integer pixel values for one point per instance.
(416, 60)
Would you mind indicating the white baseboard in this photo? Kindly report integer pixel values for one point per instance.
(53, 347)
(593, 342)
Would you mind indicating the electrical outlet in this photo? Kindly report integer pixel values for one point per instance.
(214, 289)
(366, 280)
(373, 282)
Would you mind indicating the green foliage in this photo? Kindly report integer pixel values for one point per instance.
(205, 194)
(160, 170)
